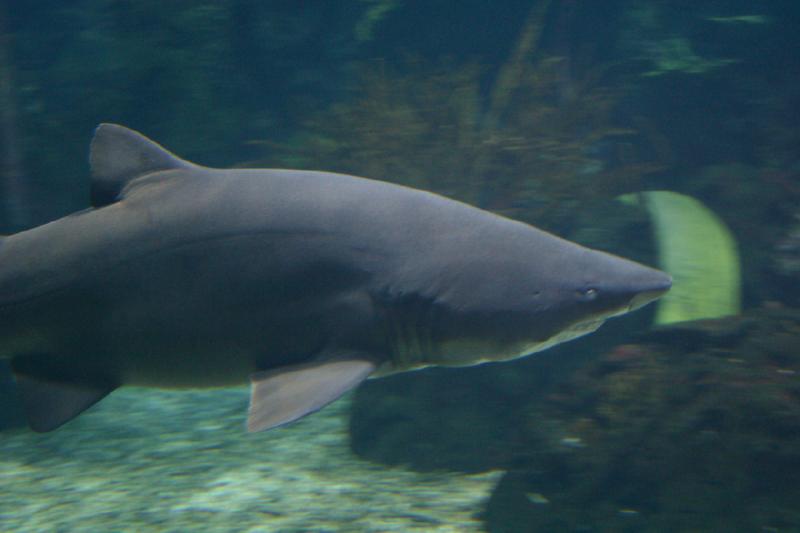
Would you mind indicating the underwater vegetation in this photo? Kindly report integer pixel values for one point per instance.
(695, 427)
(700, 253)
(787, 257)
(531, 139)
(426, 127)
(691, 427)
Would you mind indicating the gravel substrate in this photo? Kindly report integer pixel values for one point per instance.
(152, 460)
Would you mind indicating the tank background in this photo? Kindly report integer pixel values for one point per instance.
(697, 97)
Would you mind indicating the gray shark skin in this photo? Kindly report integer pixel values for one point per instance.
(304, 283)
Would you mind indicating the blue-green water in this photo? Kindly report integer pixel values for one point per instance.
(543, 111)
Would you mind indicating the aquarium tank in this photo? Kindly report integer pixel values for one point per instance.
(660, 131)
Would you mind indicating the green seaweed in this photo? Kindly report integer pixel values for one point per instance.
(700, 253)
(376, 11)
(677, 55)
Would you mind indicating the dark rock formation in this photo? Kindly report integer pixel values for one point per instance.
(695, 428)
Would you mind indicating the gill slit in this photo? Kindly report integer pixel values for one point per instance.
(410, 335)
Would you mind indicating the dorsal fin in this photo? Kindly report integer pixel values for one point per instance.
(118, 155)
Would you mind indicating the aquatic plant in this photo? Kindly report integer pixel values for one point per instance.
(669, 49)
(697, 428)
(376, 11)
(787, 256)
(538, 142)
(699, 251)
(677, 55)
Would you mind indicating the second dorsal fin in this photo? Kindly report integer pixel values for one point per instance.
(119, 155)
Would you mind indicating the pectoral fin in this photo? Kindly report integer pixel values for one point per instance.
(281, 396)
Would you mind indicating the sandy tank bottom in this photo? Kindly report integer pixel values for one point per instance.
(153, 460)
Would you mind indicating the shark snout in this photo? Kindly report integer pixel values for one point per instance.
(652, 289)
(628, 285)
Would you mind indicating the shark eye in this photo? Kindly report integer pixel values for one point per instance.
(587, 295)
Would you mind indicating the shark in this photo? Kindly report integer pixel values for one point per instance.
(301, 283)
